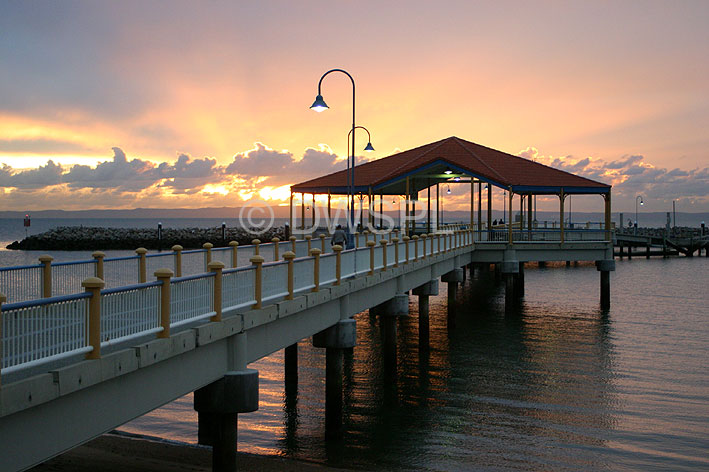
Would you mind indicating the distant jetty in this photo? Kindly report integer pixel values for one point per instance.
(84, 238)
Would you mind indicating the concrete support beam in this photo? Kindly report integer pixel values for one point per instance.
(396, 306)
(429, 288)
(456, 275)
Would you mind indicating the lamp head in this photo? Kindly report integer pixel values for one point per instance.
(457, 178)
(319, 104)
(642, 202)
(448, 191)
(369, 147)
(448, 171)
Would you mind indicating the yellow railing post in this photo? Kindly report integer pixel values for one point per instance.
(46, 261)
(3, 299)
(356, 235)
(366, 236)
(406, 248)
(178, 259)
(217, 267)
(438, 239)
(370, 245)
(289, 256)
(275, 242)
(315, 252)
(395, 241)
(142, 269)
(256, 243)
(384, 244)
(293, 239)
(257, 260)
(338, 263)
(309, 239)
(424, 236)
(98, 257)
(207, 255)
(164, 275)
(416, 247)
(94, 285)
(234, 255)
(322, 242)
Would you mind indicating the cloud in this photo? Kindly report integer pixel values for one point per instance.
(119, 173)
(186, 174)
(43, 176)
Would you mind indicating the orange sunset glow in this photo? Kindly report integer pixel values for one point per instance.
(125, 104)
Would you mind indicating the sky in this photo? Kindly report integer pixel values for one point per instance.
(204, 104)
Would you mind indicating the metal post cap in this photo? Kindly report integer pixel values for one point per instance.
(293, 238)
(315, 251)
(214, 265)
(93, 282)
(141, 250)
(395, 240)
(275, 240)
(255, 241)
(233, 243)
(45, 258)
(371, 243)
(208, 245)
(177, 247)
(164, 272)
(337, 248)
(406, 238)
(308, 236)
(383, 242)
(256, 259)
(98, 254)
(288, 255)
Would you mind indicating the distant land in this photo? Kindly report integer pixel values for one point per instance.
(646, 218)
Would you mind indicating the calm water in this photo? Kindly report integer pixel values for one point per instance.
(558, 386)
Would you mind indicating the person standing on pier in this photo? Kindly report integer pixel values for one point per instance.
(338, 237)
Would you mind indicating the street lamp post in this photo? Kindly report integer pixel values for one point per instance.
(320, 105)
(636, 211)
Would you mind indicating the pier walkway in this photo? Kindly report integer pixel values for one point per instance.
(79, 365)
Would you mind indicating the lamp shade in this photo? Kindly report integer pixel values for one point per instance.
(448, 171)
(369, 147)
(319, 104)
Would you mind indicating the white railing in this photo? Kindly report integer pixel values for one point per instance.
(328, 269)
(129, 311)
(21, 282)
(275, 281)
(67, 276)
(303, 275)
(191, 298)
(44, 330)
(120, 271)
(238, 288)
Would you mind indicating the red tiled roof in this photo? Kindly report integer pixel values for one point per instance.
(488, 164)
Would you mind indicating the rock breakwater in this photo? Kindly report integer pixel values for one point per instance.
(83, 238)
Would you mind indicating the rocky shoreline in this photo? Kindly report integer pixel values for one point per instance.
(84, 238)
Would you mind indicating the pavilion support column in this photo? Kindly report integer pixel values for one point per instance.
(370, 210)
(509, 222)
(408, 233)
(312, 214)
(290, 214)
(489, 208)
(480, 209)
(428, 212)
(329, 209)
(472, 204)
(381, 210)
(529, 215)
(561, 215)
(521, 213)
(438, 207)
(302, 211)
(607, 198)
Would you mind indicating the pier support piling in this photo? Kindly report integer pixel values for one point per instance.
(510, 271)
(605, 267)
(452, 278)
(335, 339)
(290, 358)
(218, 405)
(424, 292)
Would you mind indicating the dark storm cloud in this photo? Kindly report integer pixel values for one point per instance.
(43, 176)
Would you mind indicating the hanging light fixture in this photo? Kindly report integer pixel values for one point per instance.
(457, 178)
(448, 171)
(449, 190)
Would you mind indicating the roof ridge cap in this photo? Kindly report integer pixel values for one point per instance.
(472, 153)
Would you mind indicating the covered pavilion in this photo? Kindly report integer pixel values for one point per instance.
(454, 160)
